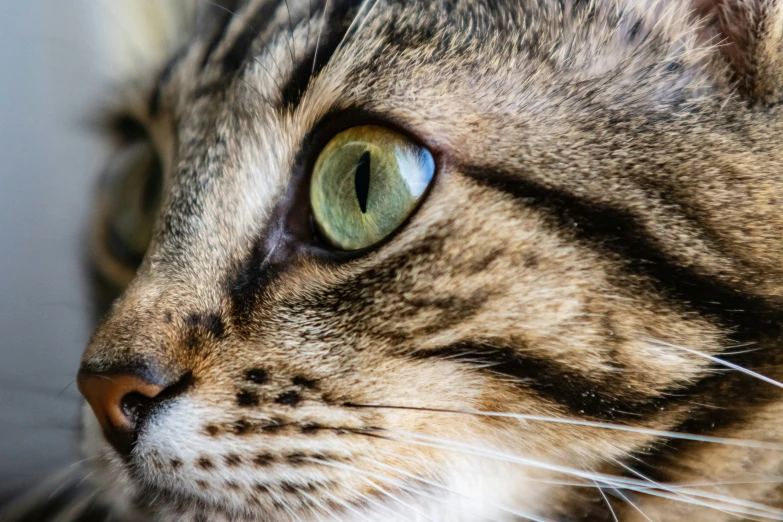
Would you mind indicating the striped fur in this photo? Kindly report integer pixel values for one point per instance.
(603, 233)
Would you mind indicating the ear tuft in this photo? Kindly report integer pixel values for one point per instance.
(750, 34)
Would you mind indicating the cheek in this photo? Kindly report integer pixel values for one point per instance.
(174, 448)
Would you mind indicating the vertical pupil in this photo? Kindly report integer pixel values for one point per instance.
(362, 180)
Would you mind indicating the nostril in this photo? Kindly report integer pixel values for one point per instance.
(122, 401)
(133, 406)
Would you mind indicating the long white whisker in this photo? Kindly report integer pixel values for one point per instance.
(398, 500)
(321, 505)
(520, 514)
(745, 443)
(361, 24)
(640, 486)
(347, 506)
(318, 40)
(631, 503)
(75, 507)
(606, 500)
(722, 362)
(687, 496)
(392, 481)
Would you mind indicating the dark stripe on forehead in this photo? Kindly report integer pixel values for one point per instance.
(617, 231)
(337, 19)
(224, 14)
(256, 25)
(153, 106)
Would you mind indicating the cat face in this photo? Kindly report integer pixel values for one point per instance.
(591, 212)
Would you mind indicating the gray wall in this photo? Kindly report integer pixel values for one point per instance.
(51, 74)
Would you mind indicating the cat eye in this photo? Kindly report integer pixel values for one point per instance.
(132, 187)
(365, 183)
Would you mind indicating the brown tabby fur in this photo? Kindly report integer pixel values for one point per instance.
(605, 216)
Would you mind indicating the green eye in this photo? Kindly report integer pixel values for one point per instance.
(366, 182)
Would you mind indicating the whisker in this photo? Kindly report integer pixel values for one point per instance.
(264, 98)
(361, 24)
(396, 483)
(291, 28)
(318, 40)
(263, 42)
(315, 500)
(632, 504)
(76, 507)
(746, 443)
(309, 20)
(398, 500)
(640, 486)
(686, 497)
(346, 505)
(284, 503)
(722, 362)
(44, 491)
(606, 500)
(366, 497)
(520, 514)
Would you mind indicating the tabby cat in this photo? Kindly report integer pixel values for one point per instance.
(451, 260)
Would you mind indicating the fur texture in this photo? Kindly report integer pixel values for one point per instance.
(603, 231)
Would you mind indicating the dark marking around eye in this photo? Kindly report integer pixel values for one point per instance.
(247, 398)
(257, 376)
(289, 398)
(304, 382)
(362, 180)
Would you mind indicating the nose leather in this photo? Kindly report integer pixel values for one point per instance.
(117, 399)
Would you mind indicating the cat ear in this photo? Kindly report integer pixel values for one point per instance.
(750, 37)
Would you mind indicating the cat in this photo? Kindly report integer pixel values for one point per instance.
(455, 260)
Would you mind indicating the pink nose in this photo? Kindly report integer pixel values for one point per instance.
(119, 401)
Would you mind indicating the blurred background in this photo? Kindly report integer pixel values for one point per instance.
(55, 72)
